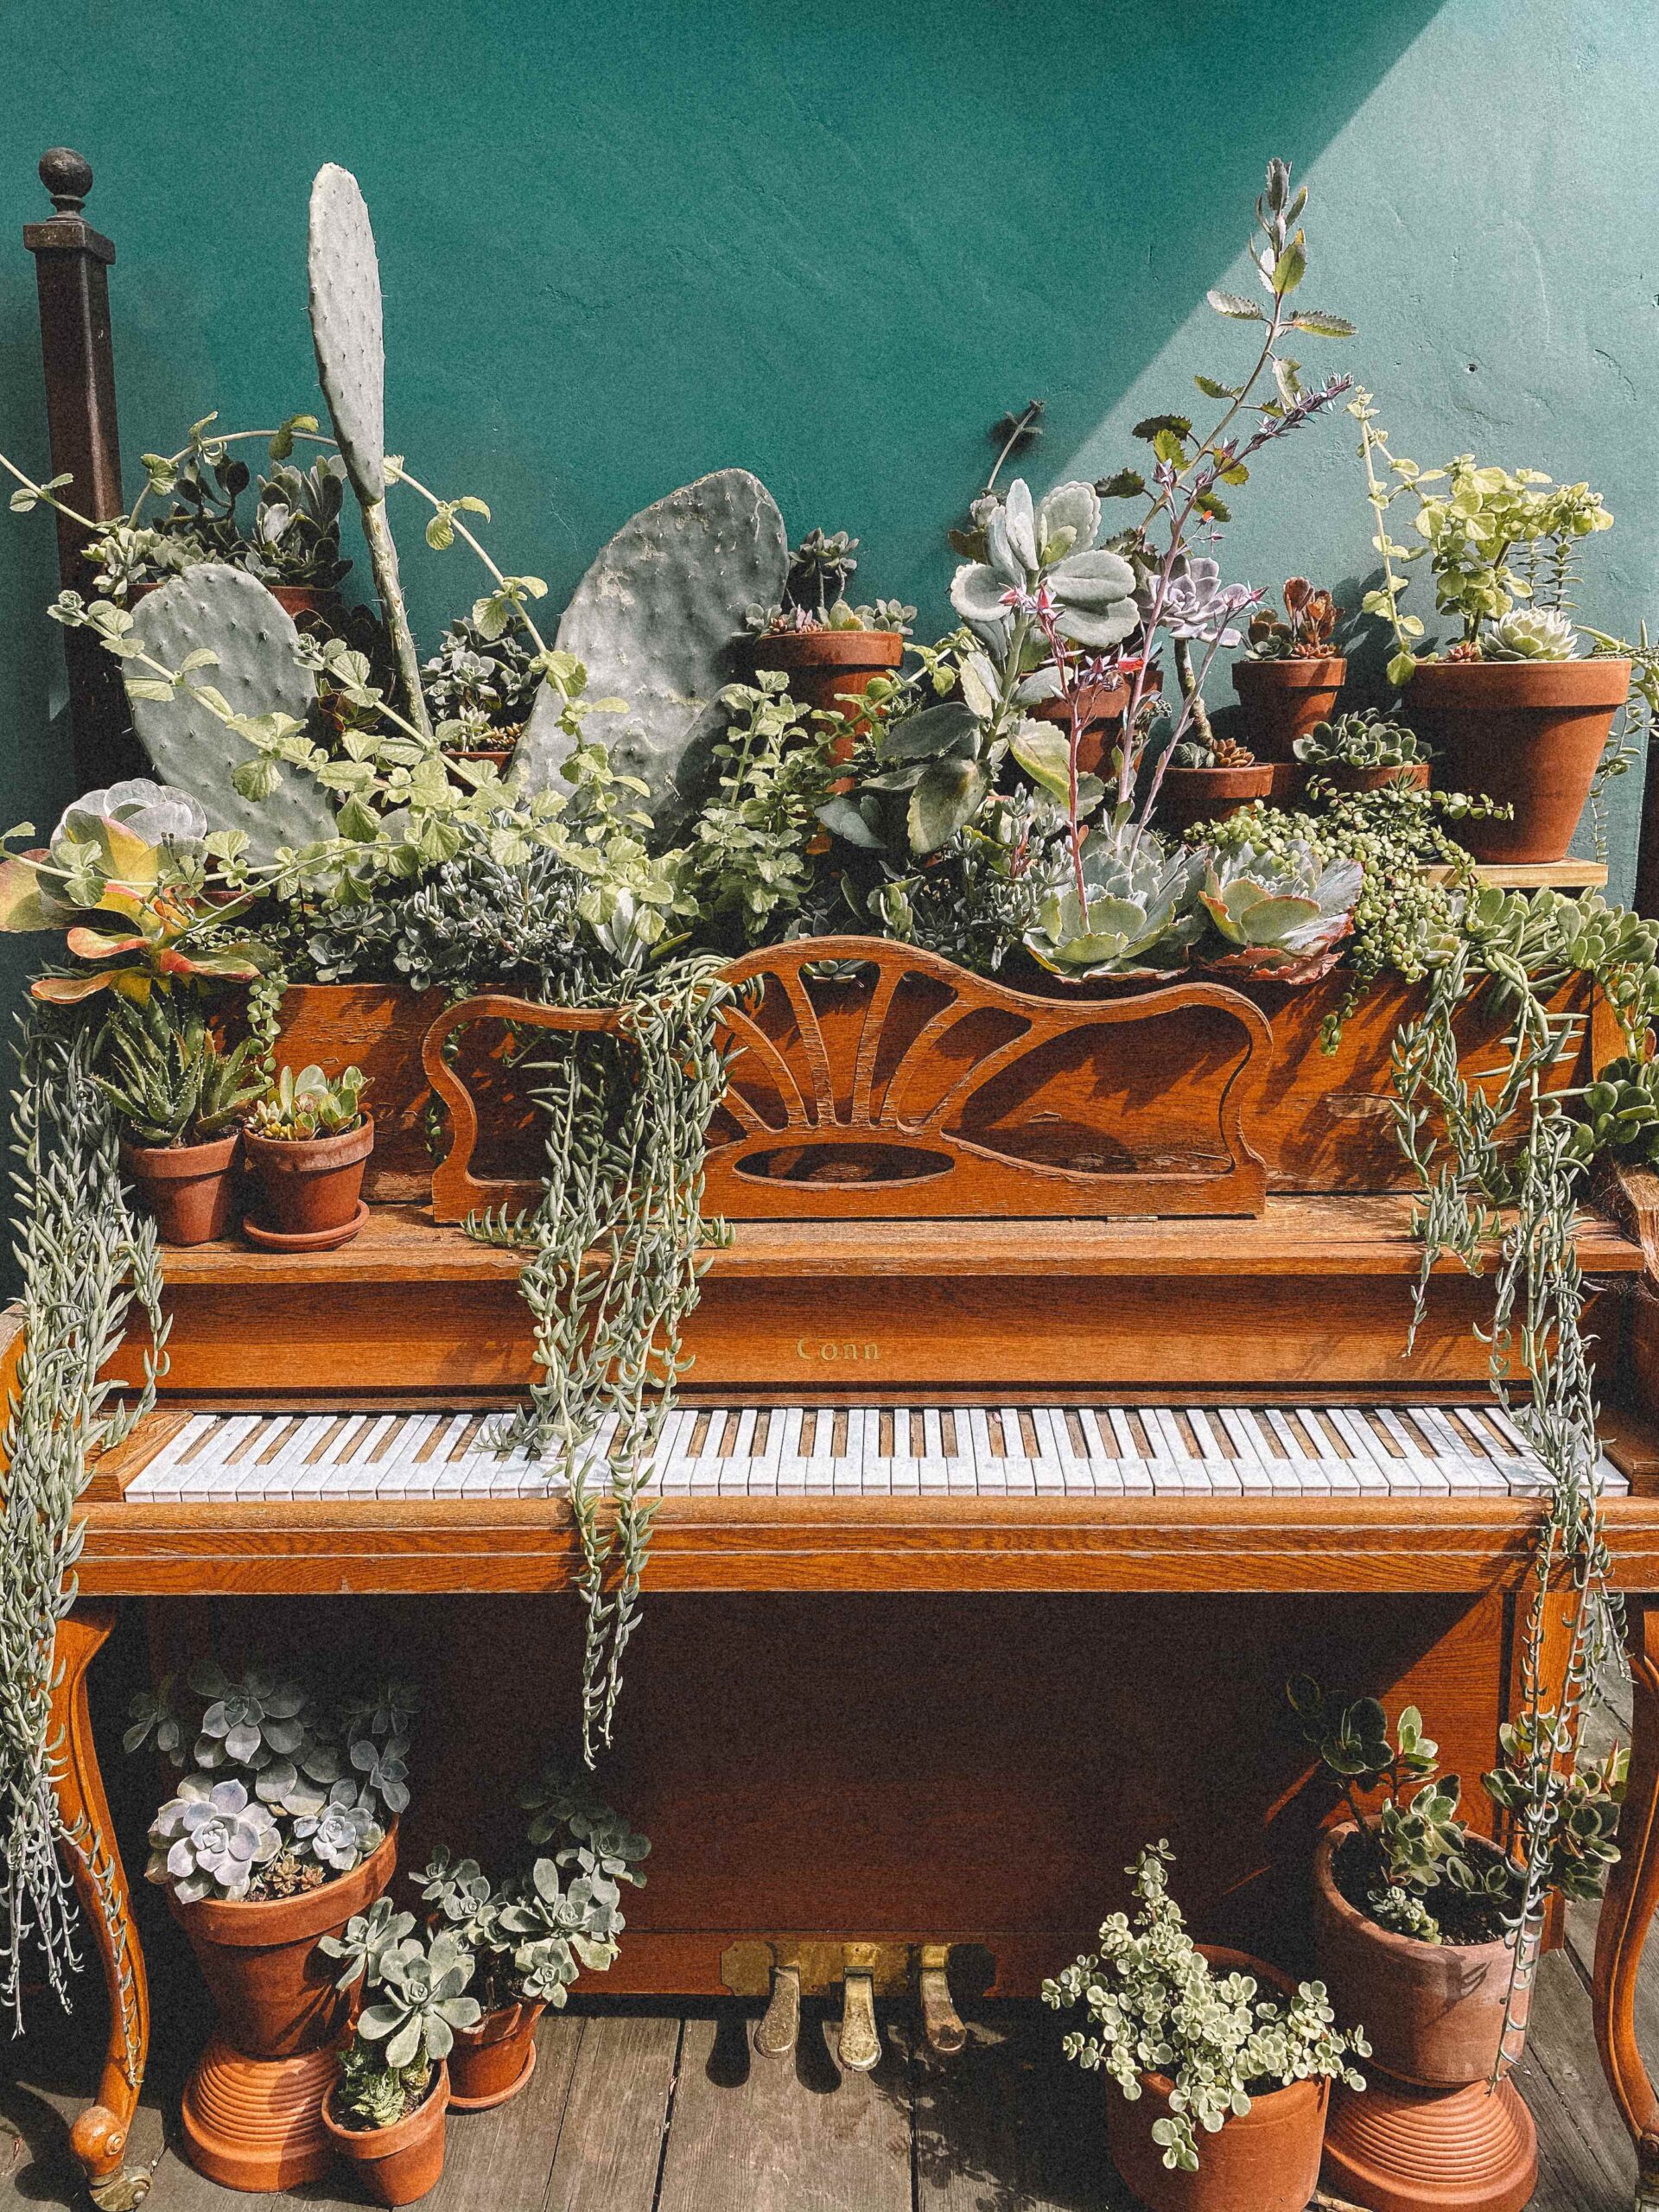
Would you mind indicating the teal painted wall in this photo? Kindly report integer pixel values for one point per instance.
(628, 241)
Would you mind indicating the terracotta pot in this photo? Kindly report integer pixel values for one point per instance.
(397, 2163)
(1432, 2012)
(312, 1185)
(1264, 2160)
(1283, 699)
(299, 599)
(501, 756)
(493, 2061)
(274, 1988)
(824, 666)
(1531, 732)
(1395, 2148)
(186, 1188)
(1410, 775)
(1190, 795)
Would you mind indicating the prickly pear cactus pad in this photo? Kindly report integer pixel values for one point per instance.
(230, 615)
(654, 619)
(345, 274)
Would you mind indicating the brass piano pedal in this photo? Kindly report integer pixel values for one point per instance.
(859, 2045)
(778, 2030)
(941, 2023)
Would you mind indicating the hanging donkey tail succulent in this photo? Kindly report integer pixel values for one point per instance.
(346, 329)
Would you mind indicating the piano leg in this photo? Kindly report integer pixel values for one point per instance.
(98, 2137)
(1628, 1910)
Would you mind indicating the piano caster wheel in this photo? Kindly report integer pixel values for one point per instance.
(941, 2023)
(778, 2030)
(859, 2046)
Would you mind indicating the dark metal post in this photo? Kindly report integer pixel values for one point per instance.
(72, 261)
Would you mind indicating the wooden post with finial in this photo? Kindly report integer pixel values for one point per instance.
(71, 263)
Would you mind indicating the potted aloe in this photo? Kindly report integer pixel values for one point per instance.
(1290, 675)
(529, 1937)
(384, 2114)
(1415, 1916)
(178, 1095)
(829, 650)
(1224, 2065)
(307, 1141)
(1511, 707)
(1365, 751)
(282, 1827)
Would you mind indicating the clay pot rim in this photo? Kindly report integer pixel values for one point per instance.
(1258, 771)
(1324, 674)
(367, 2143)
(1336, 772)
(835, 648)
(1522, 682)
(1265, 2105)
(264, 1924)
(314, 1155)
(168, 1163)
(506, 2020)
(1389, 1939)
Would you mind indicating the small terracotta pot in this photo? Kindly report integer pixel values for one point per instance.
(186, 1188)
(397, 2165)
(493, 2061)
(1264, 2160)
(275, 1990)
(824, 666)
(1530, 732)
(1432, 2012)
(501, 756)
(307, 598)
(1409, 776)
(1283, 700)
(312, 1185)
(1190, 795)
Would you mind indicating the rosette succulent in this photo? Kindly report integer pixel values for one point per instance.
(421, 2000)
(211, 1840)
(1138, 916)
(1197, 604)
(365, 1940)
(1280, 914)
(1043, 559)
(341, 1832)
(1533, 634)
(250, 1722)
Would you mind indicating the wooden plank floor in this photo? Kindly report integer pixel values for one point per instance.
(638, 2111)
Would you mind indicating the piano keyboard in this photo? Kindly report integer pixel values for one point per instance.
(1388, 1450)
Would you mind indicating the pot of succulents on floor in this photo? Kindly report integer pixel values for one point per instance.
(1511, 707)
(1221, 2065)
(384, 2113)
(1289, 678)
(1364, 751)
(831, 651)
(307, 1142)
(283, 1828)
(530, 1936)
(1414, 1922)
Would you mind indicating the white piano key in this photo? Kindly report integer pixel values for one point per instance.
(1253, 1476)
(932, 1471)
(736, 1464)
(1370, 1471)
(961, 1465)
(987, 1478)
(323, 1476)
(849, 1467)
(791, 1423)
(821, 1466)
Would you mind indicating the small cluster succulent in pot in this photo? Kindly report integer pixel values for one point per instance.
(279, 1791)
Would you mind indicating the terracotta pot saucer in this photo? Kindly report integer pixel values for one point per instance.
(520, 2080)
(306, 1240)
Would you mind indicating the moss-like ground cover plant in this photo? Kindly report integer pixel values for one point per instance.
(325, 811)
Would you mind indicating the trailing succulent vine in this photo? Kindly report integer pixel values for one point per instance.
(86, 1259)
(612, 1274)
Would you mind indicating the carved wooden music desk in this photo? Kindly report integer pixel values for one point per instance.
(922, 1661)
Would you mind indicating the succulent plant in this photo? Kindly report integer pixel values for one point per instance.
(1141, 915)
(1198, 605)
(299, 1107)
(1533, 634)
(384, 1766)
(462, 1895)
(1213, 752)
(1306, 631)
(166, 1075)
(1282, 915)
(345, 329)
(1365, 740)
(257, 669)
(820, 569)
(1620, 1112)
(342, 1832)
(654, 619)
(154, 1716)
(246, 1723)
(211, 1840)
(421, 2000)
(369, 2096)
(480, 688)
(1046, 555)
(365, 1938)
(560, 1924)
(296, 526)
